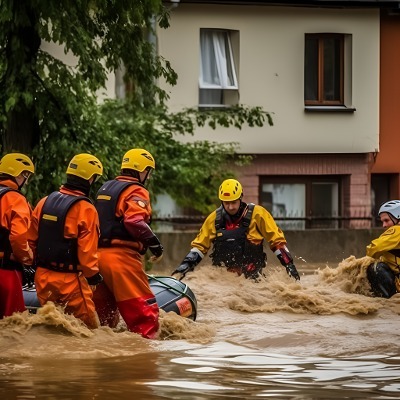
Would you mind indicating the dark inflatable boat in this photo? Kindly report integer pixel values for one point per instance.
(171, 295)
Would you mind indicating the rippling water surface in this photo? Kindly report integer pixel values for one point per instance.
(322, 338)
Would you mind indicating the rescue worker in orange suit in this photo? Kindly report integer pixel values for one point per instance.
(124, 210)
(15, 216)
(384, 274)
(236, 231)
(65, 232)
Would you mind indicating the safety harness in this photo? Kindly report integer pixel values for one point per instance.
(111, 226)
(5, 245)
(245, 220)
(54, 251)
(231, 248)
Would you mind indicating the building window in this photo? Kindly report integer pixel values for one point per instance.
(302, 203)
(324, 69)
(218, 83)
(383, 189)
(285, 201)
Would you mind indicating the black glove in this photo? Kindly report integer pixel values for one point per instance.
(292, 271)
(156, 249)
(286, 260)
(188, 263)
(95, 279)
(183, 269)
(28, 276)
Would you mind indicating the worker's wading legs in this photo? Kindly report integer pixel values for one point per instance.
(11, 298)
(69, 290)
(124, 276)
(106, 306)
(381, 279)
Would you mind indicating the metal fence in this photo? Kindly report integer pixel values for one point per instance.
(359, 218)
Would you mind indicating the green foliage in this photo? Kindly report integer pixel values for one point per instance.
(102, 35)
(189, 172)
(49, 109)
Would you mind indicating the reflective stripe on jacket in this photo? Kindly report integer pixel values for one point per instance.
(54, 251)
(82, 224)
(133, 205)
(231, 246)
(112, 225)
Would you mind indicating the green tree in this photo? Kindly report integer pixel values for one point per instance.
(39, 94)
(189, 172)
(49, 109)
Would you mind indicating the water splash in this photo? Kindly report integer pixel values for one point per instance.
(49, 315)
(175, 327)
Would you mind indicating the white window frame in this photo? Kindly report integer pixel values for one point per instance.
(217, 68)
(216, 44)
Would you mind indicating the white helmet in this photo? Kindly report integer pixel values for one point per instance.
(391, 207)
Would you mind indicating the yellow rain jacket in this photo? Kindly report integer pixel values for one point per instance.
(262, 226)
(386, 248)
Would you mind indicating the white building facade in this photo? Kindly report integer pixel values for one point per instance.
(316, 69)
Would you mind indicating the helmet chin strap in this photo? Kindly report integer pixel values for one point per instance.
(148, 171)
(143, 182)
(136, 174)
(393, 219)
(22, 184)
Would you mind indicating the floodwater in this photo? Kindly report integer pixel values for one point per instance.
(324, 337)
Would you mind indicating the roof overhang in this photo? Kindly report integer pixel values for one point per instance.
(388, 4)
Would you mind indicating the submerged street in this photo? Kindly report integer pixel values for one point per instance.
(322, 337)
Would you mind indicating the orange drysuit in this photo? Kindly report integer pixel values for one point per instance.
(126, 288)
(65, 284)
(15, 215)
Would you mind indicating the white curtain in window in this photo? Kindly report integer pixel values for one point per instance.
(217, 68)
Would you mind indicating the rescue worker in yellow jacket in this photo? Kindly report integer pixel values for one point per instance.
(384, 274)
(237, 230)
(16, 256)
(125, 211)
(65, 233)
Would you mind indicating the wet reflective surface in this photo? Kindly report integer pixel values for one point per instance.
(322, 338)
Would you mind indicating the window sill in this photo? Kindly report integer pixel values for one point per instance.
(329, 109)
(207, 107)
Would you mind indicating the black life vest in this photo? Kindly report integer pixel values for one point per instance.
(54, 251)
(5, 245)
(395, 252)
(231, 248)
(111, 226)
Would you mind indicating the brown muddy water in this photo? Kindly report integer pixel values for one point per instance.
(321, 338)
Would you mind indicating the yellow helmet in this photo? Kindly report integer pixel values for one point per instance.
(15, 163)
(138, 160)
(230, 190)
(85, 166)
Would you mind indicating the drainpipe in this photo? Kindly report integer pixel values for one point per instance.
(151, 37)
(120, 91)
